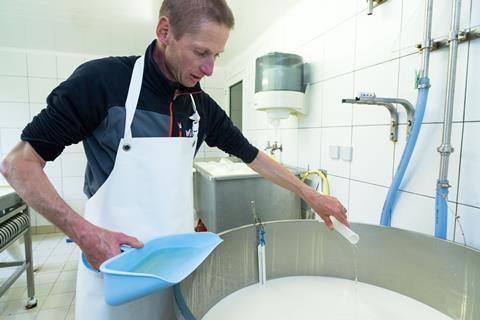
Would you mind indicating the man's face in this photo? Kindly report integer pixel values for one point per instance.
(193, 56)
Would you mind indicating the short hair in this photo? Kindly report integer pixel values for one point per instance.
(186, 15)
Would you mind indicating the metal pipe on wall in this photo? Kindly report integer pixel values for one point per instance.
(427, 39)
(423, 85)
(445, 149)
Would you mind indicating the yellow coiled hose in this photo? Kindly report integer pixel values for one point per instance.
(326, 185)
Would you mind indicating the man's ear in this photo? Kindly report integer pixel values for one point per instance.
(163, 30)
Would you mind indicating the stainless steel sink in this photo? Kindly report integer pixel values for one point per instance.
(222, 198)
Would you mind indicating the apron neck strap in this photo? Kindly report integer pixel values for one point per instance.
(132, 96)
(132, 101)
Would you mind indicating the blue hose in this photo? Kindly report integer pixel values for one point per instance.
(424, 85)
(441, 209)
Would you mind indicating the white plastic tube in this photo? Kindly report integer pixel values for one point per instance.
(262, 273)
(345, 231)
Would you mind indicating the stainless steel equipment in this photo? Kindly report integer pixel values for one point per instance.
(223, 202)
(14, 224)
(438, 273)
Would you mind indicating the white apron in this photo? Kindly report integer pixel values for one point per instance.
(149, 193)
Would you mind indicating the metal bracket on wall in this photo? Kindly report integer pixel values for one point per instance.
(463, 36)
(372, 99)
(373, 4)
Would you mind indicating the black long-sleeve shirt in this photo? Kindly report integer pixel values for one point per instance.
(90, 107)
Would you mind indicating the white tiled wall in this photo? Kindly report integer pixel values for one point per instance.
(27, 77)
(348, 52)
(214, 86)
(41, 44)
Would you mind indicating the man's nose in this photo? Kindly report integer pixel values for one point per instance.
(207, 66)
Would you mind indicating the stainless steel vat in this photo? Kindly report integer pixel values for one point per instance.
(441, 274)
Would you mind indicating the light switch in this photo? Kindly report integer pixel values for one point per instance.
(334, 152)
(346, 153)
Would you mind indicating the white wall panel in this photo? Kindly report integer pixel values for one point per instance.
(66, 64)
(289, 142)
(9, 137)
(40, 88)
(340, 188)
(13, 115)
(36, 108)
(378, 35)
(12, 33)
(216, 80)
(313, 103)
(74, 148)
(366, 202)
(53, 169)
(383, 81)
(469, 170)
(339, 55)
(73, 188)
(13, 89)
(372, 155)
(472, 106)
(422, 173)
(475, 17)
(219, 96)
(336, 113)
(42, 65)
(13, 63)
(73, 164)
(309, 148)
(313, 54)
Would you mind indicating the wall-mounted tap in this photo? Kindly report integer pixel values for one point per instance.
(372, 99)
(274, 147)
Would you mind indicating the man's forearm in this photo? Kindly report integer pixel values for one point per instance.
(278, 174)
(27, 177)
(324, 205)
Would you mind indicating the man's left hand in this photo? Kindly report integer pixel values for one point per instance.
(326, 206)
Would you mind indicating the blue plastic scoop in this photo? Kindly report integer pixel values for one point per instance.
(161, 263)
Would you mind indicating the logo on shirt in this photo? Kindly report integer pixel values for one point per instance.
(189, 133)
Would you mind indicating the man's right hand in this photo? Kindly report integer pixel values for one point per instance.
(23, 169)
(100, 244)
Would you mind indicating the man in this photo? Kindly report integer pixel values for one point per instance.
(141, 121)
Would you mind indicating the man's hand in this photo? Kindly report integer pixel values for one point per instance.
(101, 244)
(326, 206)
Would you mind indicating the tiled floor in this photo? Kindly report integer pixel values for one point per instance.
(55, 280)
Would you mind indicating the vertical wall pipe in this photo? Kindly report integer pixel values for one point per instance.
(445, 149)
(427, 39)
(423, 86)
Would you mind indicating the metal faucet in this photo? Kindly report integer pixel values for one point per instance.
(274, 147)
(372, 99)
